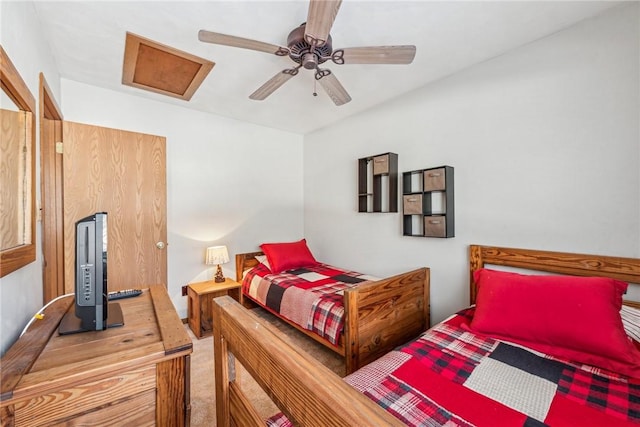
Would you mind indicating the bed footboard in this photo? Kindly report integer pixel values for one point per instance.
(384, 314)
(306, 391)
(379, 315)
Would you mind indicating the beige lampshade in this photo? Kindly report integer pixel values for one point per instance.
(216, 255)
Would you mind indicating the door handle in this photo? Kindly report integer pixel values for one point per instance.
(160, 245)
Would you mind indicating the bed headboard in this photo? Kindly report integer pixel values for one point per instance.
(625, 269)
(244, 262)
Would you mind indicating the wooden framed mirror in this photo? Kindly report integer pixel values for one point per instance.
(17, 170)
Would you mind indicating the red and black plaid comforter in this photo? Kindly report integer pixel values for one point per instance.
(452, 377)
(311, 297)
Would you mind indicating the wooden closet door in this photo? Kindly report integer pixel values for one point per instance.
(124, 174)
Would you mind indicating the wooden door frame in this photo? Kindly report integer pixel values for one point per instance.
(51, 210)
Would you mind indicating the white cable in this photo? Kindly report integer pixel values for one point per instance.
(40, 312)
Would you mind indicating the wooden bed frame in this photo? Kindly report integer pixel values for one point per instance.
(379, 315)
(309, 393)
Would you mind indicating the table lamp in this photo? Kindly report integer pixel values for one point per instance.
(217, 255)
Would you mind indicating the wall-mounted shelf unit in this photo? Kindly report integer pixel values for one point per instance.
(427, 202)
(378, 183)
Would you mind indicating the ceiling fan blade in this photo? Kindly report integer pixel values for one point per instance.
(273, 83)
(233, 41)
(375, 55)
(334, 89)
(320, 19)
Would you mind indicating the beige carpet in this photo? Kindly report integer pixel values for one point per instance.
(203, 411)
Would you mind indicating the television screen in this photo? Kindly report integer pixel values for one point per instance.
(93, 312)
(91, 272)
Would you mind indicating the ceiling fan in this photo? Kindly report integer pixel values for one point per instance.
(310, 45)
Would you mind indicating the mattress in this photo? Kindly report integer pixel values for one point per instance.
(311, 297)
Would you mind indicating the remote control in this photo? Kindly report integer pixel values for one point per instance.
(125, 293)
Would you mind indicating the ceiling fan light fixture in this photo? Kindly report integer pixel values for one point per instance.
(309, 61)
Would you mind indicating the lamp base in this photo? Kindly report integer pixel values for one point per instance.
(219, 277)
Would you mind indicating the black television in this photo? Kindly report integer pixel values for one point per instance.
(92, 312)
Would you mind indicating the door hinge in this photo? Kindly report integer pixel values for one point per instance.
(59, 147)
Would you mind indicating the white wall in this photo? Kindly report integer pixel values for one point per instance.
(21, 291)
(228, 182)
(545, 145)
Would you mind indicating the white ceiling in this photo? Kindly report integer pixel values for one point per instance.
(87, 39)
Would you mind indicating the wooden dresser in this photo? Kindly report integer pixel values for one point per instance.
(136, 374)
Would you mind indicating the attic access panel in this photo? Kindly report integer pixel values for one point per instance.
(162, 69)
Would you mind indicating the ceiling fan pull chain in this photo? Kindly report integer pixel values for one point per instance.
(314, 87)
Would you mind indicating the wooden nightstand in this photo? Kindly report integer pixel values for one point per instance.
(201, 295)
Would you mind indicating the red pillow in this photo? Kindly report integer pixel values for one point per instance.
(575, 318)
(287, 256)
